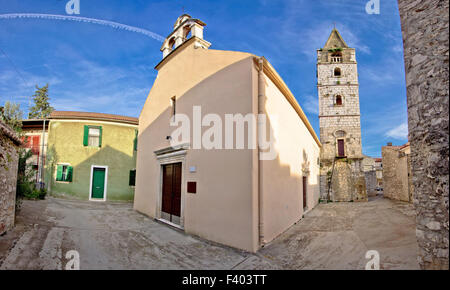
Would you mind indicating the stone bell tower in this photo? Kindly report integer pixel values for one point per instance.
(341, 173)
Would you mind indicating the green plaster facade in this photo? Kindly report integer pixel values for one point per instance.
(67, 146)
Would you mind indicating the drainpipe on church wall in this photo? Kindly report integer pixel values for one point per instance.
(260, 111)
(41, 161)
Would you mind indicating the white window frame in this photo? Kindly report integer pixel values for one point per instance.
(89, 135)
(105, 189)
(170, 157)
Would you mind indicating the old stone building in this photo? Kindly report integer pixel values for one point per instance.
(379, 172)
(397, 176)
(341, 173)
(370, 175)
(9, 143)
(425, 27)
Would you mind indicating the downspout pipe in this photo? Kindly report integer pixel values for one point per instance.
(261, 100)
(41, 163)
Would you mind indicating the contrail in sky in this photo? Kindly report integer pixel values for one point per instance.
(84, 19)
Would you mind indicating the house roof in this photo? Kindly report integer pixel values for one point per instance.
(7, 131)
(93, 116)
(404, 145)
(34, 124)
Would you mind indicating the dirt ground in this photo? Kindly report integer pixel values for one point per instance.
(114, 236)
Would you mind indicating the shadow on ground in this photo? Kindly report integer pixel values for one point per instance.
(114, 236)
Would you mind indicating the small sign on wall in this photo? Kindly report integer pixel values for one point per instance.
(192, 187)
(192, 169)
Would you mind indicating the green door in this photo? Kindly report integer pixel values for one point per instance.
(98, 183)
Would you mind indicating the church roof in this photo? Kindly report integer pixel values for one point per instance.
(335, 40)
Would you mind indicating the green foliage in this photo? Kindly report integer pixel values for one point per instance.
(12, 115)
(41, 108)
(25, 187)
(335, 49)
(35, 193)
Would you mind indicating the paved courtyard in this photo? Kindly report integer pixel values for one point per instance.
(114, 236)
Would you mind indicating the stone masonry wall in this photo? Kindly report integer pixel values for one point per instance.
(347, 182)
(371, 182)
(396, 180)
(425, 27)
(8, 180)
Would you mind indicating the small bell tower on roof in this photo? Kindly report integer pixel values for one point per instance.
(185, 28)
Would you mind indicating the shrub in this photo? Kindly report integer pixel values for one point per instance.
(25, 189)
(42, 193)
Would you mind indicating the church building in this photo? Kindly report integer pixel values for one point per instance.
(246, 166)
(341, 169)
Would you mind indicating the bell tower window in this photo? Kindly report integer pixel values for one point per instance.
(341, 148)
(337, 72)
(171, 43)
(336, 56)
(338, 101)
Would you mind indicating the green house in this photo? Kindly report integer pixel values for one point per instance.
(91, 156)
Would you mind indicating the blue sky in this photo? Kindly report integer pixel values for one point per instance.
(99, 68)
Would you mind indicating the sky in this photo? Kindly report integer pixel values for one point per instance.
(95, 66)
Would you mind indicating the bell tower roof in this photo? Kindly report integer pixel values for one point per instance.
(335, 40)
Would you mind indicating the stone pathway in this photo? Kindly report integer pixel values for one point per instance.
(114, 236)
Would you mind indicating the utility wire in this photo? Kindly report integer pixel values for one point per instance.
(14, 66)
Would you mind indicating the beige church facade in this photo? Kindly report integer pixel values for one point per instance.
(241, 194)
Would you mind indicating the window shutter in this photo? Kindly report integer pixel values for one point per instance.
(59, 173)
(132, 181)
(135, 140)
(86, 135)
(69, 174)
(100, 137)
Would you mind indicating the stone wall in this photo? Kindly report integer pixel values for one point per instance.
(8, 177)
(370, 175)
(343, 182)
(371, 182)
(425, 39)
(396, 173)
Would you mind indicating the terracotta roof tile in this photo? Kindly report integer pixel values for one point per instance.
(7, 131)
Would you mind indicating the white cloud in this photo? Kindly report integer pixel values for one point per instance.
(398, 48)
(310, 104)
(314, 38)
(399, 132)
